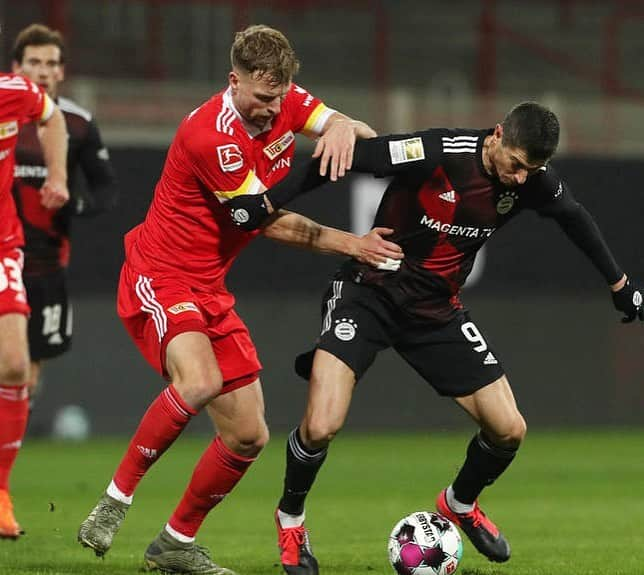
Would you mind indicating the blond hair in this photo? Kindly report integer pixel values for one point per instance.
(263, 51)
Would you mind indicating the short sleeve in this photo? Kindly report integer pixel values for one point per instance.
(309, 114)
(224, 168)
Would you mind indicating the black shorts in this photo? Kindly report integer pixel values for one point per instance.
(358, 322)
(50, 323)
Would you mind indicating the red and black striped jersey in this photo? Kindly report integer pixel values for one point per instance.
(47, 232)
(444, 206)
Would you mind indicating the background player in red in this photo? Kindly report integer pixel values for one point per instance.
(172, 297)
(39, 54)
(451, 189)
(21, 101)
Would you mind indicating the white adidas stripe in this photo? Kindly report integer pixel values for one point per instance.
(224, 119)
(459, 138)
(150, 305)
(330, 306)
(459, 150)
(173, 401)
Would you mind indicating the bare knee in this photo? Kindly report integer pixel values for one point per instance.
(318, 432)
(511, 434)
(197, 390)
(247, 442)
(14, 369)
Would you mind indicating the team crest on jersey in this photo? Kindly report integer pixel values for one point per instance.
(8, 129)
(180, 307)
(506, 201)
(230, 157)
(276, 147)
(404, 151)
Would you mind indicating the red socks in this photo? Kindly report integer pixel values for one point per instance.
(217, 472)
(14, 412)
(162, 423)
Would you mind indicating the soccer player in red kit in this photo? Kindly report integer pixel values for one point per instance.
(172, 297)
(21, 101)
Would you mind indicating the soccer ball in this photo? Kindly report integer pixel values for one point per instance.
(425, 543)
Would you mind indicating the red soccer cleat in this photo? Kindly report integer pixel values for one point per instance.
(483, 534)
(9, 528)
(295, 550)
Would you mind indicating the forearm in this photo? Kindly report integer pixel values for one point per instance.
(299, 231)
(583, 231)
(53, 140)
(102, 198)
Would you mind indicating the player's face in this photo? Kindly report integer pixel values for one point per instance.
(256, 98)
(509, 164)
(42, 65)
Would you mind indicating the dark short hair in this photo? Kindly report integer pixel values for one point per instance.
(534, 129)
(37, 35)
(264, 51)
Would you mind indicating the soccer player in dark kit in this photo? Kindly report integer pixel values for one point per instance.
(39, 54)
(451, 189)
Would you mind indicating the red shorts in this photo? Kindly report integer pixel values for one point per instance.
(13, 297)
(155, 310)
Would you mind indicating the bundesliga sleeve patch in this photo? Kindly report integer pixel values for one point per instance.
(230, 157)
(404, 151)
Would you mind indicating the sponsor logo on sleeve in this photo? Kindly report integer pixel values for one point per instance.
(180, 307)
(276, 147)
(8, 129)
(404, 151)
(230, 157)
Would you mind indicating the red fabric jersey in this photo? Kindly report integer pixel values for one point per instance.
(21, 101)
(215, 156)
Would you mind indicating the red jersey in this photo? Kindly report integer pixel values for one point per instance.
(216, 156)
(21, 101)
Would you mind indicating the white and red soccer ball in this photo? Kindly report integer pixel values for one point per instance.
(425, 543)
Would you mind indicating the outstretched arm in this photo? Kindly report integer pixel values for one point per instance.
(381, 156)
(584, 232)
(299, 231)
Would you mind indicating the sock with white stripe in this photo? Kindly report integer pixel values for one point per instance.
(483, 465)
(162, 423)
(302, 466)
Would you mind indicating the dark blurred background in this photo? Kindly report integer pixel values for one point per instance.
(141, 65)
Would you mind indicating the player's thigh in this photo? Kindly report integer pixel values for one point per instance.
(14, 354)
(456, 359)
(330, 391)
(50, 323)
(192, 367)
(239, 418)
(356, 325)
(495, 409)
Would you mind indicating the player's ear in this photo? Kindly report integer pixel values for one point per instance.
(498, 131)
(15, 67)
(233, 80)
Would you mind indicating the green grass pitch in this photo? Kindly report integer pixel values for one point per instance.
(571, 504)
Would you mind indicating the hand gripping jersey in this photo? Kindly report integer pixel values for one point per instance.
(47, 231)
(444, 206)
(215, 156)
(21, 101)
